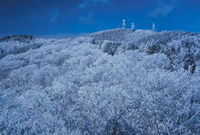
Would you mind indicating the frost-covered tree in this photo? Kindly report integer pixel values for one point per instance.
(86, 85)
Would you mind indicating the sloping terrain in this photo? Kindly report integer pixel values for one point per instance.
(17, 44)
(110, 82)
(21, 38)
(182, 48)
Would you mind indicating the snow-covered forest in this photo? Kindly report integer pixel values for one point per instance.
(113, 82)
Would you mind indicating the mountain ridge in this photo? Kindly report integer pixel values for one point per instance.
(146, 83)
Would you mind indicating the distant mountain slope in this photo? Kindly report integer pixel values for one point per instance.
(121, 35)
(126, 35)
(113, 82)
(17, 44)
(182, 48)
(20, 38)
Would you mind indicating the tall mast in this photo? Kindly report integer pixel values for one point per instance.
(154, 27)
(132, 27)
(124, 24)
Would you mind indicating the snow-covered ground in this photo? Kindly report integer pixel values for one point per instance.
(110, 82)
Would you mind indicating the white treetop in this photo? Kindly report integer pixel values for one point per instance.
(124, 24)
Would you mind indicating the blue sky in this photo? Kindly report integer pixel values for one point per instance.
(73, 17)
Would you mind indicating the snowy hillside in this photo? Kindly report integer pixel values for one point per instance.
(110, 82)
(182, 48)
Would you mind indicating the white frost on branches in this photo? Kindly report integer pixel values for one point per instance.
(73, 86)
